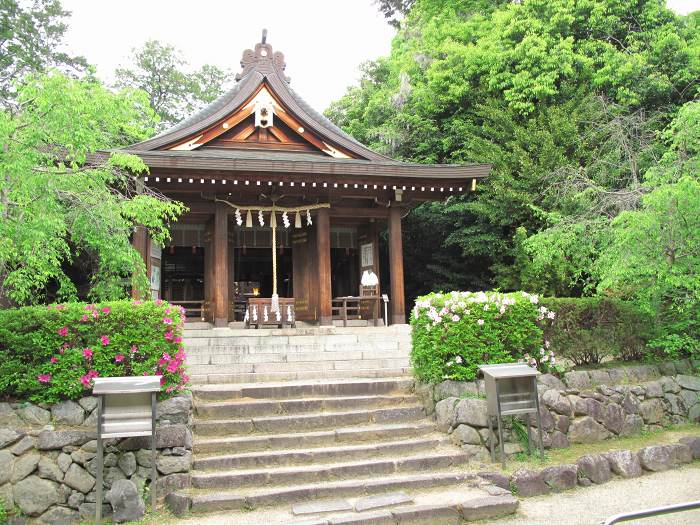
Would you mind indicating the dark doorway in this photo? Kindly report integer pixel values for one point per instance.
(344, 272)
(183, 273)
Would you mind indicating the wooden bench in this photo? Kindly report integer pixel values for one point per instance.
(352, 306)
(192, 308)
(258, 307)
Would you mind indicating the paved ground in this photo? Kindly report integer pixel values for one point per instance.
(589, 506)
(583, 506)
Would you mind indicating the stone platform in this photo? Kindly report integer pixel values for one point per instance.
(239, 355)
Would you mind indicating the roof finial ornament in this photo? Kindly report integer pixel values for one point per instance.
(263, 60)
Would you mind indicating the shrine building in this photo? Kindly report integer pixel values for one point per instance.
(285, 209)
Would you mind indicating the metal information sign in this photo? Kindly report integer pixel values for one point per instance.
(511, 390)
(126, 407)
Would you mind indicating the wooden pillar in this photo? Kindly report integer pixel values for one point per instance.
(323, 252)
(220, 288)
(141, 243)
(396, 297)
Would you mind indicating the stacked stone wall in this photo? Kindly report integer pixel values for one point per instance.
(581, 407)
(48, 461)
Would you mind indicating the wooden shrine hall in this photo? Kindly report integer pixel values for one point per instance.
(285, 209)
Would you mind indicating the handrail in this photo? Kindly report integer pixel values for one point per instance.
(648, 513)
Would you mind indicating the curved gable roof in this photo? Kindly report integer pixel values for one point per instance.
(261, 65)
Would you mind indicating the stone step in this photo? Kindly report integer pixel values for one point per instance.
(223, 377)
(300, 331)
(308, 474)
(199, 501)
(306, 422)
(226, 355)
(306, 366)
(307, 456)
(296, 389)
(349, 435)
(270, 407)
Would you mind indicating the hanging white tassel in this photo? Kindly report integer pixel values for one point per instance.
(308, 218)
(275, 303)
(255, 313)
(289, 314)
(278, 317)
(285, 219)
(261, 219)
(273, 220)
(297, 220)
(239, 219)
(248, 220)
(266, 317)
(247, 316)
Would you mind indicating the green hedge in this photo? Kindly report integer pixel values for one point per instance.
(453, 333)
(587, 330)
(48, 353)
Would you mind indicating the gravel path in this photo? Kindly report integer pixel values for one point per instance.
(589, 506)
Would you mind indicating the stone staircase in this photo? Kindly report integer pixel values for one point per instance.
(301, 451)
(238, 355)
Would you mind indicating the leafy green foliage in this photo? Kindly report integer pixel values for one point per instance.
(30, 38)
(174, 94)
(587, 330)
(654, 258)
(53, 352)
(58, 204)
(454, 333)
(554, 95)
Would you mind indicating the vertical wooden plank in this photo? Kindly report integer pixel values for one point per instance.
(209, 270)
(323, 252)
(141, 243)
(398, 304)
(220, 244)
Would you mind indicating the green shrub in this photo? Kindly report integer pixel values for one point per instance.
(453, 333)
(48, 353)
(3, 512)
(589, 329)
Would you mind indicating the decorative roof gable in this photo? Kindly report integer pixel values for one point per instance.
(260, 112)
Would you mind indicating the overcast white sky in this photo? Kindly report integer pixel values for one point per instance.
(324, 41)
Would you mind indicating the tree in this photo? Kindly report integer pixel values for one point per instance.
(30, 38)
(57, 202)
(159, 70)
(520, 85)
(393, 9)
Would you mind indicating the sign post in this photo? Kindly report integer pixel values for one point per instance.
(126, 407)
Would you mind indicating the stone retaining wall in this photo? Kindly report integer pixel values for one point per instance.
(48, 465)
(582, 407)
(596, 469)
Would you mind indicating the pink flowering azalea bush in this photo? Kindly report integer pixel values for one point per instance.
(49, 353)
(453, 333)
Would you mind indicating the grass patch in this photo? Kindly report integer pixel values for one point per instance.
(569, 455)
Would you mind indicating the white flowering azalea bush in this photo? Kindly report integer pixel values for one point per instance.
(455, 332)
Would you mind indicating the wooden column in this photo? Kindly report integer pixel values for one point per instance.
(220, 288)
(323, 252)
(396, 296)
(141, 243)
